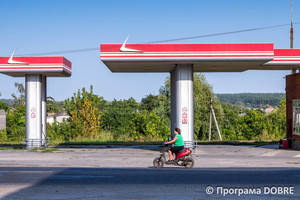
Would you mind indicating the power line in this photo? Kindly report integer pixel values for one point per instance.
(159, 41)
(62, 52)
(223, 33)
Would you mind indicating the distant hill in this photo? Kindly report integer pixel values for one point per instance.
(9, 102)
(252, 100)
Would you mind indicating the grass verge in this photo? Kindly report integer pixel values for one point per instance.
(16, 145)
(247, 142)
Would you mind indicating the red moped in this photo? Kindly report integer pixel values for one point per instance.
(183, 158)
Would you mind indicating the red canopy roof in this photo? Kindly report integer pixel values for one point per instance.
(48, 66)
(204, 57)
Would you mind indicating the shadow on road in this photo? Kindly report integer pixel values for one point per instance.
(97, 183)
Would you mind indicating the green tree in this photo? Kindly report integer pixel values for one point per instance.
(15, 119)
(230, 121)
(20, 98)
(117, 116)
(3, 133)
(278, 121)
(148, 126)
(54, 106)
(252, 125)
(84, 112)
(163, 110)
(15, 123)
(202, 96)
(255, 124)
(59, 131)
(252, 100)
(3, 106)
(150, 102)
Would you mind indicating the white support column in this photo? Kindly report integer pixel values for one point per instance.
(173, 102)
(44, 111)
(33, 84)
(183, 106)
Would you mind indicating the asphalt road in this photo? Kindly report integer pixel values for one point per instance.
(146, 183)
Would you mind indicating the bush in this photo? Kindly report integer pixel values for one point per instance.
(3, 135)
(15, 124)
(59, 131)
(148, 126)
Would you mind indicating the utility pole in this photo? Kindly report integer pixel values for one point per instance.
(292, 30)
(212, 113)
(293, 71)
(210, 121)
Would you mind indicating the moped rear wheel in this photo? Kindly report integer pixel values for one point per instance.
(158, 162)
(189, 162)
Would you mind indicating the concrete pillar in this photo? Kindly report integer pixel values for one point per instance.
(182, 102)
(33, 84)
(173, 101)
(44, 111)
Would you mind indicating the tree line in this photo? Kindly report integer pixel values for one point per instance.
(252, 100)
(94, 118)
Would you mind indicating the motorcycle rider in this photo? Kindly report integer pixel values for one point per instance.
(178, 144)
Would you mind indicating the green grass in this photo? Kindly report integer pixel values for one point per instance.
(297, 163)
(49, 150)
(244, 142)
(105, 141)
(128, 143)
(11, 143)
(88, 141)
(5, 148)
(12, 148)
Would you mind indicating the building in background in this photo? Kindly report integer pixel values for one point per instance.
(2, 120)
(59, 117)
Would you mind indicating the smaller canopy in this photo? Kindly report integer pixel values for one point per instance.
(47, 66)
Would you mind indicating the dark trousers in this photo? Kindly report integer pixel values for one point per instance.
(176, 149)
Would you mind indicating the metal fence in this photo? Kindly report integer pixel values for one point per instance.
(36, 143)
(192, 144)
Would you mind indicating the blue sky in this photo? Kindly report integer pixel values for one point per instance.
(37, 26)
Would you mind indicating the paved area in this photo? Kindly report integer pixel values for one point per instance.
(120, 172)
(207, 156)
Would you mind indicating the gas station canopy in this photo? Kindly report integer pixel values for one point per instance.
(46, 66)
(36, 70)
(204, 57)
(181, 60)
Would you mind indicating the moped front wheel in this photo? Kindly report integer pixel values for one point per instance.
(189, 162)
(158, 162)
